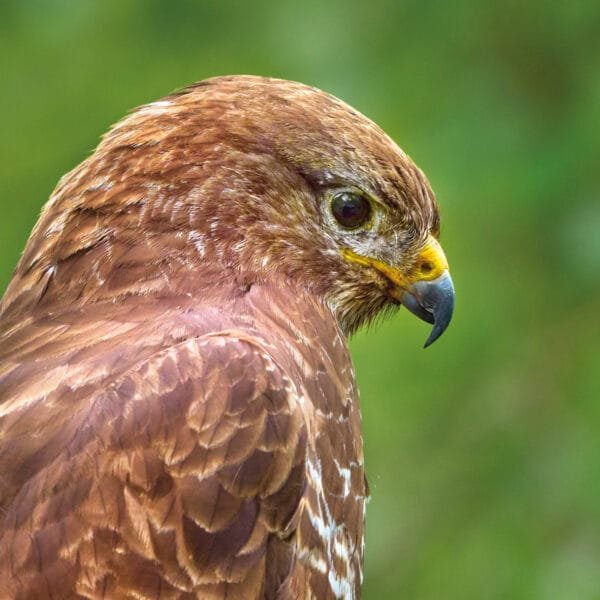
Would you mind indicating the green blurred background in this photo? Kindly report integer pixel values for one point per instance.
(483, 452)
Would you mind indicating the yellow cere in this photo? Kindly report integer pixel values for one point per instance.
(430, 264)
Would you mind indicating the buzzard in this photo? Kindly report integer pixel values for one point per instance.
(179, 416)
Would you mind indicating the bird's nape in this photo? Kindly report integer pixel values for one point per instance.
(178, 409)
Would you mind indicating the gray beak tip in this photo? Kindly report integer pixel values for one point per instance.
(432, 301)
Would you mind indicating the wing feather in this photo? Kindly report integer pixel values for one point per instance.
(179, 477)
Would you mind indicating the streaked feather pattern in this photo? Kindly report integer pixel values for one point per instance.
(178, 410)
(139, 464)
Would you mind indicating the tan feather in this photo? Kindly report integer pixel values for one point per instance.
(178, 410)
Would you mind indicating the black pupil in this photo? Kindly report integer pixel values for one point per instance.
(350, 210)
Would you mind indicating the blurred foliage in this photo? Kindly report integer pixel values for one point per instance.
(483, 452)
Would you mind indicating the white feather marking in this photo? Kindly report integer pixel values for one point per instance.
(345, 475)
(334, 536)
(156, 108)
(197, 239)
(316, 562)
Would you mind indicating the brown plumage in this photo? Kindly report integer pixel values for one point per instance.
(178, 410)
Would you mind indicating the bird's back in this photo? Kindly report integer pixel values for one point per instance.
(103, 489)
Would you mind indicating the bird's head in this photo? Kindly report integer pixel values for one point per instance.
(270, 180)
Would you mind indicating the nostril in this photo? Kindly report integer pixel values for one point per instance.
(426, 268)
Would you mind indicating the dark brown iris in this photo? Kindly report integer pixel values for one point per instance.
(350, 210)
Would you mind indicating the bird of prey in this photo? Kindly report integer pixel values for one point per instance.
(179, 415)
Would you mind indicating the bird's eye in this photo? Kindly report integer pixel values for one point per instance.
(351, 210)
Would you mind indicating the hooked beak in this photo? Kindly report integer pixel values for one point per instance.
(426, 290)
(432, 301)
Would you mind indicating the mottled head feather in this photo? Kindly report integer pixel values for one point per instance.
(178, 409)
(228, 177)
